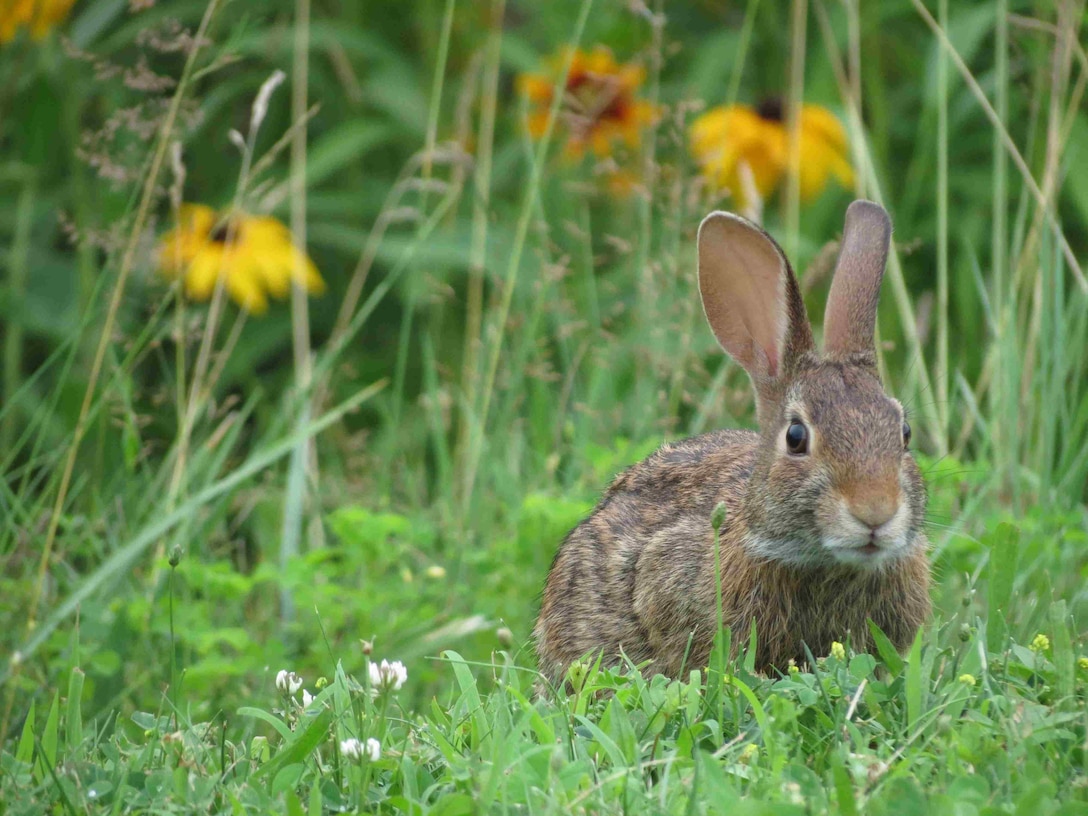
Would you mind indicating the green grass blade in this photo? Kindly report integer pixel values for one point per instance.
(1004, 555)
(51, 734)
(73, 721)
(914, 682)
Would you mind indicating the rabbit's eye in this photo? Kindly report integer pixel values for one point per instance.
(906, 434)
(797, 438)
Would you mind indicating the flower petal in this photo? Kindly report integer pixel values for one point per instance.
(203, 272)
(244, 286)
(536, 88)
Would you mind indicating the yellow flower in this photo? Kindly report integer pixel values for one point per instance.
(1082, 663)
(599, 108)
(730, 142)
(1040, 643)
(253, 254)
(37, 15)
(967, 679)
(838, 651)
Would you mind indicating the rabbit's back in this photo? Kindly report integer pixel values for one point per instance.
(591, 602)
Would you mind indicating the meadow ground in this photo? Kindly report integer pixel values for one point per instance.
(322, 324)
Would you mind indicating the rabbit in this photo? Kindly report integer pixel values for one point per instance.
(825, 505)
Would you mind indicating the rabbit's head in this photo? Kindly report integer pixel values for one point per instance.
(834, 482)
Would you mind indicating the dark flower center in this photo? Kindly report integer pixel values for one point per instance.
(771, 109)
(596, 97)
(220, 232)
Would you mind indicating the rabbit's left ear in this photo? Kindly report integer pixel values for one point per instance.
(850, 319)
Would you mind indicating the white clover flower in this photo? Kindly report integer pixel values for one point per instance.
(288, 682)
(388, 676)
(351, 749)
(373, 749)
(307, 698)
(355, 750)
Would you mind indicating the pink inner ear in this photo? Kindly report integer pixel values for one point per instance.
(766, 359)
(742, 280)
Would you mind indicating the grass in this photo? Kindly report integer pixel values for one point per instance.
(193, 500)
(953, 727)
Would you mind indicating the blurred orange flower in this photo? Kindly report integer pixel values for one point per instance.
(731, 141)
(599, 107)
(37, 15)
(253, 254)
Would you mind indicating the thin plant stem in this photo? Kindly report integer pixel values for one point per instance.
(470, 369)
(941, 372)
(999, 238)
(302, 466)
(741, 57)
(18, 258)
(223, 357)
(798, 34)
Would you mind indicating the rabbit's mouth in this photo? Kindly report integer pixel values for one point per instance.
(866, 556)
(867, 548)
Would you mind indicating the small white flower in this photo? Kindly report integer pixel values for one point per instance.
(307, 698)
(373, 749)
(355, 750)
(351, 749)
(288, 682)
(388, 676)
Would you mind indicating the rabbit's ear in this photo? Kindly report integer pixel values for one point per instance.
(751, 299)
(850, 319)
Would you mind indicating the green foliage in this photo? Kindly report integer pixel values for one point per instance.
(192, 499)
(955, 728)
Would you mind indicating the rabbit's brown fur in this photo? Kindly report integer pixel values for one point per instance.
(637, 577)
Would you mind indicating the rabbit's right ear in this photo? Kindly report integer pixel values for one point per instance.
(751, 300)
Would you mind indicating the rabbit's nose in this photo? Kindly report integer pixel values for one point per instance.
(874, 510)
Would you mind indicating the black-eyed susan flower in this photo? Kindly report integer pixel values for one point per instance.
(732, 142)
(38, 16)
(600, 109)
(253, 254)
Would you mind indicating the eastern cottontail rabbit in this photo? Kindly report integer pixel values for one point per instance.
(824, 506)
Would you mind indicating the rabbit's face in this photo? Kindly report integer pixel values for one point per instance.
(839, 485)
